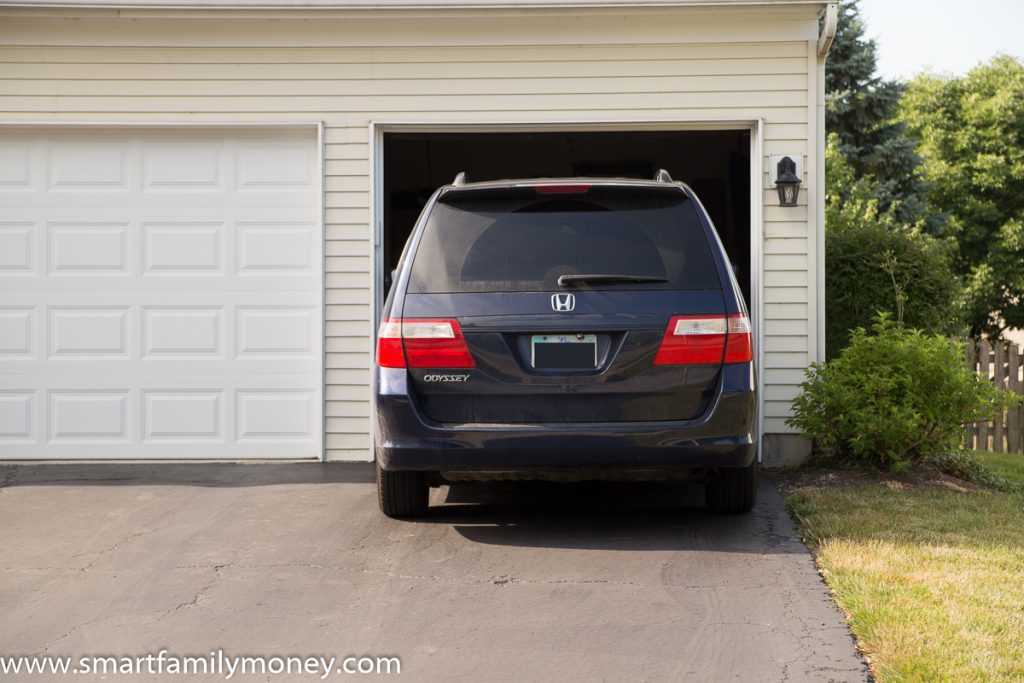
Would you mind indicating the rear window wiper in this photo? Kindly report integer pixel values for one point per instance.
(566, 280)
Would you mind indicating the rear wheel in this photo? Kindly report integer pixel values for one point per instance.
(402, 494)
(732, 490)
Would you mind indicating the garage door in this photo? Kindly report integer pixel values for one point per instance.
(160, 293)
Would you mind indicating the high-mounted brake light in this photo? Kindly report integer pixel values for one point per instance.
(422, 343)
(565, 188)
(695, 340)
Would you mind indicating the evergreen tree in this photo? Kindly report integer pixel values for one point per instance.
(860, 109)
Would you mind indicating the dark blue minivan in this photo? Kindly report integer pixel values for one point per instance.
(564, 330)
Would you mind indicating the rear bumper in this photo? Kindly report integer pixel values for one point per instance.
(724, 437)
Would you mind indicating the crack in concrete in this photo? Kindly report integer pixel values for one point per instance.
(105, 551)
(73, 629)
(160, 614)
(200, 594)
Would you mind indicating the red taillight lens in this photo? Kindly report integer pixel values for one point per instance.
(431, 343)
(696, 340)
(422, 343)
(389, 345)
(692, 340)
(739, 346)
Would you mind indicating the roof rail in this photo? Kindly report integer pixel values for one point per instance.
(662, 176)
(460, 179)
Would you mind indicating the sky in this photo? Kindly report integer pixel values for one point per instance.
(942, 35)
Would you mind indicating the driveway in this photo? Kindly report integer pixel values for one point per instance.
(506, 582)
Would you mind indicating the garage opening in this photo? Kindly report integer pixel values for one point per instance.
(716, 164)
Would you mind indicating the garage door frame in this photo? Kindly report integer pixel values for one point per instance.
(755, 126)
(304, 124)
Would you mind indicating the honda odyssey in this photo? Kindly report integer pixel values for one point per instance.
(564, 330)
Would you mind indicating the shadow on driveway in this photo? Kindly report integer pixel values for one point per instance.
(634, 516)
(641, 516)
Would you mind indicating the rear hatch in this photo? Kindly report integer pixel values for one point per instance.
(576, 303)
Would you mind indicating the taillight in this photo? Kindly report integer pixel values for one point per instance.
(422, 343)
(696, 340)
(389, 345)
(739, 347)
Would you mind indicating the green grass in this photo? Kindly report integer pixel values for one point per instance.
(932, 579)
(1009, 466)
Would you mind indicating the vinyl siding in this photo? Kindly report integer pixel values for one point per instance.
(670, 64)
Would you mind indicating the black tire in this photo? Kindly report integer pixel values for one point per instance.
(733, 490)
(402, 494)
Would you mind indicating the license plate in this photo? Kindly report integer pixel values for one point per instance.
(564, 351)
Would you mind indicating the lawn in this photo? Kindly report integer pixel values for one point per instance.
(1009, 466)
(931, 577)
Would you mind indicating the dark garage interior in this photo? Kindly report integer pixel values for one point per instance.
(716, 164)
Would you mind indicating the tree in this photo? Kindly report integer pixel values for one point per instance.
(874, 264)
(970, 133)
(860, 109)
(877, 257)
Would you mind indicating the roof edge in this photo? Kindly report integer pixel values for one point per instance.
(385, 5)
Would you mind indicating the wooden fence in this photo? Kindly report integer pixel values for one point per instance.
(1002, 363)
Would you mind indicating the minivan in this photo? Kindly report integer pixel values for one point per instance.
(564, 330)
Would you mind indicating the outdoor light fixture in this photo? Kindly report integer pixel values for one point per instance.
(787, 182)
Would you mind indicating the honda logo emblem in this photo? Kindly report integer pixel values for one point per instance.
(563, 303)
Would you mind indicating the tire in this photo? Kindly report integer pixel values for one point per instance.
(732, 491)
(402, 495)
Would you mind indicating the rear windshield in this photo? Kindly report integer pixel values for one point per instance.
(520, 241)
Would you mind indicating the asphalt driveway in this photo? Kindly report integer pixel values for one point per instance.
(523, 582)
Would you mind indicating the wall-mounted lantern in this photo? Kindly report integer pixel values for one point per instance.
(787, 182)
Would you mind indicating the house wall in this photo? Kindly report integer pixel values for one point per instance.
(351, 69)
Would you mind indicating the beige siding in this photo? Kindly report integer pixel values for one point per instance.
(680, 65)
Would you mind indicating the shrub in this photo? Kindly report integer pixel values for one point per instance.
(892, 398)
(869, 267)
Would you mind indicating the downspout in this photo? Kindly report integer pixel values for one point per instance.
(825, 38)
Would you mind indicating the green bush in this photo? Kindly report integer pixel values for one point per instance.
(892, 398)
(869, 266)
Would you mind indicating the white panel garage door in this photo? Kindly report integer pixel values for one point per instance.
(160, 293)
